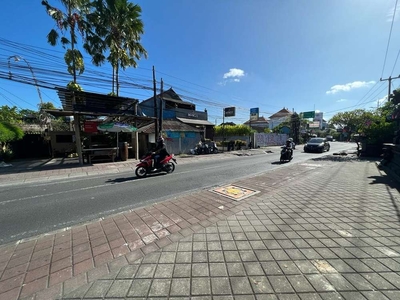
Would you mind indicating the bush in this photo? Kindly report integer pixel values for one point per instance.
(239, 144)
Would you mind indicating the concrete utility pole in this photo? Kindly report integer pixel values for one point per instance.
(390, 83)
(161, 107)
(155, 105)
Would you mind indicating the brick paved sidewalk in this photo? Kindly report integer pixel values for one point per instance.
(275, 245)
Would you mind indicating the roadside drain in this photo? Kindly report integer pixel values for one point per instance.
(234, 192)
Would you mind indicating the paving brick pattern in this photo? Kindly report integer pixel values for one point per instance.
(64, 260)
(333, 233)
(324, 230)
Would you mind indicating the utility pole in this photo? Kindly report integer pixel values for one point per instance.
(223, 130)
(155, 105)
(390, 83)
(250, 139)
(161, 106)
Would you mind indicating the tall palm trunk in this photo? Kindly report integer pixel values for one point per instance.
(117, 78)
(113, 79)
(72, 28)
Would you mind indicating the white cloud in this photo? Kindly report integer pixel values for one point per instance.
(382, 100)
(233, 75)
(349, 86)
(341, 100)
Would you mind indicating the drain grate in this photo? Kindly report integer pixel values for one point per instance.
(234, 192)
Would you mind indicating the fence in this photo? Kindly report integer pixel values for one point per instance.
(260, 139)
(179, 145)
(269, 139)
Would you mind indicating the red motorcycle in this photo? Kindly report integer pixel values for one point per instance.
(145, 167)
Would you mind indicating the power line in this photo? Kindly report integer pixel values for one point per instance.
(390, 34)
(398, 53)
(17, 97)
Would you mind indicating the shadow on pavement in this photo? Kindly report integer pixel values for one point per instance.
(29, 165)
(132, 178)
(388, 181)
(344, 158)
(123, 179)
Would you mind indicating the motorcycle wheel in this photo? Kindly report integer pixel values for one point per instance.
(141, 172)
(169, 168)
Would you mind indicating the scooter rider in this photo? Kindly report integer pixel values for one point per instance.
(293, 143)
(160, 152)
(289, 146)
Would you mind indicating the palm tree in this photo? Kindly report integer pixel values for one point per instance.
(118, 29)
(71, 21)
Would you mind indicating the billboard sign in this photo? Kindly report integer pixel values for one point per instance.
(90, 126)
(229, 111)
(314, 124)
(308, 114)
(254, 113)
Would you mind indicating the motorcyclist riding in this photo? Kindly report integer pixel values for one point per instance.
(160, 152)
(292, 142)
(289, 146)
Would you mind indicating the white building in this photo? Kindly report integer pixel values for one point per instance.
(279, 117)
(319, 117)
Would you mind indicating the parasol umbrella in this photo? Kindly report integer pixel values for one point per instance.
(116, 127)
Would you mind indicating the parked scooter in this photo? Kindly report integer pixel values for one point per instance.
(205, 148)
(145, 166)
(213, 148)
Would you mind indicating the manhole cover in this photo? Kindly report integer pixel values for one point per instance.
(234, 192)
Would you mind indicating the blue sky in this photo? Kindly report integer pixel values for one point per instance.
(303, 55)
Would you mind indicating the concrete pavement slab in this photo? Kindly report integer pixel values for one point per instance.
(274, 233)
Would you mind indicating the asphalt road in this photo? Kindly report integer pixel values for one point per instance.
(31, 209)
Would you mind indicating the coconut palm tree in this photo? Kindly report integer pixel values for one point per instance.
(71, 21)
(118, 29)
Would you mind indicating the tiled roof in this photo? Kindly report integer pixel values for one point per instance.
(169, 125)
(282, 113)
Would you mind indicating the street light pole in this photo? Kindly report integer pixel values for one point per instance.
(18, 58)
(43, 117)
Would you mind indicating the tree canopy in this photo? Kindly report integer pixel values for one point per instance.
(117, 30)
(9, 114)
(69, 22)
(232, 130)
(9, 132)
(372, 125)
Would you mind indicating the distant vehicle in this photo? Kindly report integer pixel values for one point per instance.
(329, 138)
(317, 145)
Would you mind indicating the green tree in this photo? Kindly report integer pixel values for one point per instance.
(8, 133)
(229, 130)
(353, 120)
(370, 124)
(9, 114)
(267, 130)
(69, 22)
(118, 29)
(295, 127)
